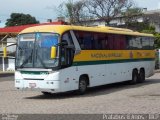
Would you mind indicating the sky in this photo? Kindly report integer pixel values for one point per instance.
(41, 9)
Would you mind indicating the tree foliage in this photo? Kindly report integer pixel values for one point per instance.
(17, 19)
(108, 9)
(157, 40)
(73, 11)
(82, 10)
(131, 15)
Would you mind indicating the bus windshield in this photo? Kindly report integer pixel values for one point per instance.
(34, 50)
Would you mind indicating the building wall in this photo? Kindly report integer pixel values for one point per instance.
(157, 27)
(152, 16)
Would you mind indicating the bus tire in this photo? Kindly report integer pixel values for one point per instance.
(83, 84)
(141, 76)
(135, 77)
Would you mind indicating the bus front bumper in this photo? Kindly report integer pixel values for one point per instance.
(38, 85)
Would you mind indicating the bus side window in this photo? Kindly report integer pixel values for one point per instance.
(103, 41)
(67, 37)
(146, 43)
(151, 43)
(110, 41)
(87, 41)
(123, 42)
(127, 42)
(80, 38)
(96, 41)
(131, 42)
(67, 50)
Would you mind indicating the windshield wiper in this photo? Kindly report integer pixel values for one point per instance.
(26, 61)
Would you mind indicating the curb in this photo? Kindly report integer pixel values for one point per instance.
(6, 74)
(157, 71)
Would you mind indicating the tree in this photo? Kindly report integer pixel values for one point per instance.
(107, 9)
(131, 15)
(73, 11)
(82, 10)
(17, 19)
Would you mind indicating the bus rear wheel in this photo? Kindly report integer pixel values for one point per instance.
(141, 76)
(82, 85)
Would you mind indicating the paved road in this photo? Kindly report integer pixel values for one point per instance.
(115, 98)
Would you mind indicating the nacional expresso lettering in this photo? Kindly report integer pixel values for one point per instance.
(109, 55)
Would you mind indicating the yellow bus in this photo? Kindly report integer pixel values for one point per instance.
(60, 58)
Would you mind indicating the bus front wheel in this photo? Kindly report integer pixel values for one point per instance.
(82, 85)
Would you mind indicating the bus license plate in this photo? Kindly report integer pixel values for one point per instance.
(32, 85)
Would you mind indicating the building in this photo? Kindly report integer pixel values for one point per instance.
(152, 16)
(8, 38)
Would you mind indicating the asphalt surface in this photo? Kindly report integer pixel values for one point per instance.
(118, 98)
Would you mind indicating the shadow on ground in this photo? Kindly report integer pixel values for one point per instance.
(6, 77)
(97, 91)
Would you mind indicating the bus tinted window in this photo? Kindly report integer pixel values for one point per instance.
(106, 41)
(85, 40)
(151, 43)
(138, 42)
(100, 41)
(145, 43)
(67, 37)
(134, 42)
(119, 42)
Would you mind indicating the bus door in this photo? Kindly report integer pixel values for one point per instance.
(66, 60)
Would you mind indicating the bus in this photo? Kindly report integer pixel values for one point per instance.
(61, 58)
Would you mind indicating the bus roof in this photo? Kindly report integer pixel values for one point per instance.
(63, 28)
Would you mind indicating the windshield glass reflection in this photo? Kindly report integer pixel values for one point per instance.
(34, 50)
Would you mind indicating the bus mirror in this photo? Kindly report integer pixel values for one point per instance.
(5, 52)
(64, 43)
(53, 52)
